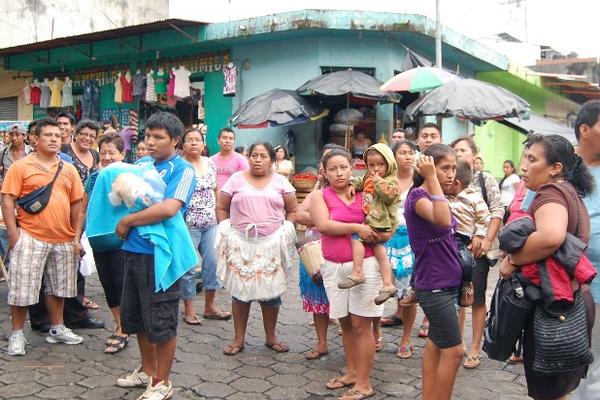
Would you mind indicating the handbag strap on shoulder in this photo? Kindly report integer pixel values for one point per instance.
(58, 169)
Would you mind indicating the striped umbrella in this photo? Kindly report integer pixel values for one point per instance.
(417, 79)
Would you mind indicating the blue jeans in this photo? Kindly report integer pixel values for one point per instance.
(3, 243)
(204, 242)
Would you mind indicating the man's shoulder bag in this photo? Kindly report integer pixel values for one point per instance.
(36, 201)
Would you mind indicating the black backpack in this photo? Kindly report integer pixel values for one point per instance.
(510, 311)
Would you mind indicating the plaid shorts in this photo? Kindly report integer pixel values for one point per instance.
(30, 260)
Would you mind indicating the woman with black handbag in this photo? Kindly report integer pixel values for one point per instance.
(559, 177)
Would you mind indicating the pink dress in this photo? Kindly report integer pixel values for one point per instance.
(171, 99)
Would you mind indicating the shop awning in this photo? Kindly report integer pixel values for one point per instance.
(541, 125)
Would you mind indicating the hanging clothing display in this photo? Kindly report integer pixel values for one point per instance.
(126, 89)
(118, 90)
(91, 100)
(150, 88)
(160, 82)
(171, 99)
(171, 85)
(182, 82)
(55, 86)
(67, 93)
(27, 93)
(45, 96)
(230, 74)
(139, 84)
(36, 94)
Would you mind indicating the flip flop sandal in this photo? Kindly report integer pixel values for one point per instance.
(220, 316)
(337, 383)
(405, 352)
(121, 343)
(280, 347)
(89, 304)
(351, 281)
(378, 344)
(423, 331)
(111, 339)
(390, 321)
(472, 361)
(194, 320)
(231, 350)
(354, 394)
(315, 355)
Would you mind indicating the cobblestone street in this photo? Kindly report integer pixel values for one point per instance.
(202, 371)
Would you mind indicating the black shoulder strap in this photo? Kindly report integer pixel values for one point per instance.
(58, 169)
(483, 188)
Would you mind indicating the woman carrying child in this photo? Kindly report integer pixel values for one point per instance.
(381, 196)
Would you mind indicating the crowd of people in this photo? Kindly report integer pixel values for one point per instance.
(421, 226)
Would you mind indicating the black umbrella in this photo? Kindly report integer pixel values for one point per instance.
(275, 108)
(471, 99)
(347, 83)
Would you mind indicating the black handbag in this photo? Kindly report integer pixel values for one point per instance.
(510, 311)
(561, 338)
(36, 201)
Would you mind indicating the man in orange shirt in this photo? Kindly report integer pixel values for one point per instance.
(44, 244)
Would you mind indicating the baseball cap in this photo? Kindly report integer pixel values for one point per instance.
(20, 129)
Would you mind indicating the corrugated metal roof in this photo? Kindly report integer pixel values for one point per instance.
(130, 30)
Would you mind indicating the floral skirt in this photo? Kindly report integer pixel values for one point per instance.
(314, 298)
(255, 268)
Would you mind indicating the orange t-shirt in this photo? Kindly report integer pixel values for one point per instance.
(53, 224)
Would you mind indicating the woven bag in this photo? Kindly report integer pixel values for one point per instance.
(561, 339)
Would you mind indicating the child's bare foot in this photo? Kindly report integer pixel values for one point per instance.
(350, 281)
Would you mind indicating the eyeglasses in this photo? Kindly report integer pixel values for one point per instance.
(87, 135)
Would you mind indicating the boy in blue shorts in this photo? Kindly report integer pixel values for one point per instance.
(151, 315)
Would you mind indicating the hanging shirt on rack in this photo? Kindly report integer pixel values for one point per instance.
(171, 86)
(160, 82)
(126, 89)
(139, 84)
(67, 93)
(118, 91)
(55, 87)
(182, 82)
(36, 94)
(230, 74)
(45, 96)
(150, 89)
(27, 94)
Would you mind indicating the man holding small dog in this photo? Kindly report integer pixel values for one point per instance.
(44, 243)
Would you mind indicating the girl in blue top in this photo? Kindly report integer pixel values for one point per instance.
(437, 270)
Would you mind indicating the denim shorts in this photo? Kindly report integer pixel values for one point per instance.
(276, 302)
(439, 307)
(143, 309)
(204, 242)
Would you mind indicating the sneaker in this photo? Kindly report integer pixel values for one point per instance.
(160, 391)
(135, 379)
(16, 344)
(64, 335)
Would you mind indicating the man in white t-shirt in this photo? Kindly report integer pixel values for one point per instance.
(227, 160)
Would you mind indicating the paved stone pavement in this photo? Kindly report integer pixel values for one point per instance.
(201, 371)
